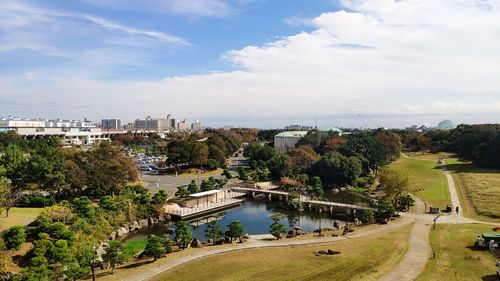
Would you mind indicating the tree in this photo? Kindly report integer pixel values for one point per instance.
(396, 184)
(199, 154)
(277, 229)
(114, 254)
(335, 168)
(154, 247)
(368, 217)
(213, 231)
(83, 207)
(160, 198)
(14, 237)
(235, 230)
(182, 192)
(385, 210)
(302, 158)
(217, 154)
(316, 188)
(392, 141)
(10, 197)
(242, 174)
(108, 203)
(183, 234)
(279, 166)
(13, 161)
(406, 201)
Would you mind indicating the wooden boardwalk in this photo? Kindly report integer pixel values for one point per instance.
(304, 199)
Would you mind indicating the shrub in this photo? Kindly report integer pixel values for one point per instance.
(14, 237)
(36, 200)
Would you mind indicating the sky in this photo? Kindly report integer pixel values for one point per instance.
(253, 63)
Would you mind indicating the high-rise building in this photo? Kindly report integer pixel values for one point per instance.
(111, 124)
(196, 126)
(152, 124)
(183, 126)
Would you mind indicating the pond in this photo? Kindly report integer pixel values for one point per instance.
(255, 216)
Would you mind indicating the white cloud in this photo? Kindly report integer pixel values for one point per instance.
(379, 57)
(115, 26)
(201, 8)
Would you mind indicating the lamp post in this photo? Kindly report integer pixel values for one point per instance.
(92, 262)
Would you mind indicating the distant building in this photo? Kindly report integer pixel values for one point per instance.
(16, 122)
(298, 128)
(183, 126)
(196, 126)
(152, 124)
(445, 125)
(111, 124)
(286, 141)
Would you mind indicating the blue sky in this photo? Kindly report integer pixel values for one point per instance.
(259, 63)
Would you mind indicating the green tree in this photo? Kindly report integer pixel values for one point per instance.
(385, 210)
(235, 230)
(160, 198)
(279, 166)
(316, 188)
(242, 174)
(193, 187)
(108, 203)
(183, 234)
(368, 217)
(182, 192)
(14, 237)
(406, 201)
(277, 229)
(13, 161)
(396, 184)
(114, 254)
(83, 207)
(213, 231)
(154, 247)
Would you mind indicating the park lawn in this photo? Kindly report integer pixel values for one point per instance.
(360, 259)
(478, 189)
(19, 216)
(132, 247)
(455, 258)
(427, 180)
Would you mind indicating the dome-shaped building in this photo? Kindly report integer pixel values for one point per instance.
(445, 125)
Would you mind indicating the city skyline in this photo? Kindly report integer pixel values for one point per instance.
(253, 63)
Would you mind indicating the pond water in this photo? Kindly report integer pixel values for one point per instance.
(255, 216)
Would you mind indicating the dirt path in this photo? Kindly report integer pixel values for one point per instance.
(419, 251)
(263, 241)
(453, 217)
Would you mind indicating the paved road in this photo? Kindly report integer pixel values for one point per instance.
(263, 241)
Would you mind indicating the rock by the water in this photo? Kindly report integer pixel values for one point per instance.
(121, 232)
(112, 236)
(143, 223)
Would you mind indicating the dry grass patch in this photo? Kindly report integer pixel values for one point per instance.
(455, 259)
(361, 259)
(479, 189)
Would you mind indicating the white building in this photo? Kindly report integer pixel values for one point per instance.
(16, 122)
(286, 141)
(196, 126)
(183, 126)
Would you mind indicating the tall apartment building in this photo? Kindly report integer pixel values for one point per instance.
(196, 126)
(152, 124)
(183, 126)
(111, 124)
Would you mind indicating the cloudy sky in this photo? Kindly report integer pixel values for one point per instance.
(259, 63)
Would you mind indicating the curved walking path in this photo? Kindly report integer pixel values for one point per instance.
(419, 251)
(264, 241)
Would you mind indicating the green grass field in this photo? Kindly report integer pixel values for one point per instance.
(18, 216)
(360, 259)
(427, 181)
(133, 247)
(455, 258)
(477, 187)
